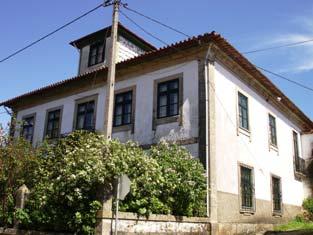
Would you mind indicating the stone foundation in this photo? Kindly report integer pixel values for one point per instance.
(129, 223)
(242, 229)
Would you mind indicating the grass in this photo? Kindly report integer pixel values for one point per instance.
(295, 225)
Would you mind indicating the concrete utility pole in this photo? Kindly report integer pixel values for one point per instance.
(108, 118)
(104, 228)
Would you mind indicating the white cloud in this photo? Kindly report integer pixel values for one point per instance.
(294, 59)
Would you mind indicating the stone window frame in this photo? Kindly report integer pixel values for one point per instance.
(82, 100)
(270, 144)
(240, 130)
(178, 118)
(276, 212)
(131, 126)
(248, 211)
(60, 120)
(34, 126)
(298, 173)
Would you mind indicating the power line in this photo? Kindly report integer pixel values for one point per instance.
(184, 34)
(144, 30)
(286, 79)
(266, 70)
(53, 32)
(156, 21)
(277, 47)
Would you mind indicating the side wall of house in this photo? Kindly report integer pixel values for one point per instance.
(185, 130)
(252, 149)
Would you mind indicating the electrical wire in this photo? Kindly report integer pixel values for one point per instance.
(278, 47)
(286, 79)
(51, 33)
(144, 30)
(156, 21)
(184, 34)
(266, 70)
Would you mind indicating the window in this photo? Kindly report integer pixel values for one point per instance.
(272, 129)
(299, 163)
(243, 111)
(85, 116)
(28, 128)
(96, 53)
(53, 124)
(295, 144)
(247, 189)
(123, 109)
(276, 191)
(168, 99)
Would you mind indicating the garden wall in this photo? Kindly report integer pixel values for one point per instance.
(130, 223)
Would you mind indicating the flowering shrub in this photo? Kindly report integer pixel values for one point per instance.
(69, 175)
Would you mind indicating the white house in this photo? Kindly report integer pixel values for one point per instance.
(201, 93)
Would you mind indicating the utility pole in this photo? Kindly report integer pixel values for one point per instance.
(108, 118)
(104, 228)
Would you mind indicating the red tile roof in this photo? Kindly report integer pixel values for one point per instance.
(226, 47)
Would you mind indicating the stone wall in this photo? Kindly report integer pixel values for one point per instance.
(130, 223)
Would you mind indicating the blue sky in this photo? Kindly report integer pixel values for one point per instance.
(246, 24)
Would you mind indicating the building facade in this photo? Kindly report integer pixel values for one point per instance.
(200, 93)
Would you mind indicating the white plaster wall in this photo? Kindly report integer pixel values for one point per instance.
(144, 106)
(232, 148)
(143, 133)
(68, 113)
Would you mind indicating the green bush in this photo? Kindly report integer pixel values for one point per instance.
(184, 187)
(17, 163)
(308, 205)
(179, 187)
(66, 180)
(66, 196)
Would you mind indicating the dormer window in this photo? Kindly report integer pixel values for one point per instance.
(96, 53)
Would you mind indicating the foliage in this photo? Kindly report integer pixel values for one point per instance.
(308, 205)
(303, 221)
(68, 176)
(185, 183)
(17, 163)
(296, 224)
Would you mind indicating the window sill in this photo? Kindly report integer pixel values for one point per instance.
(247, 212)
(244, 132)
(165, 120)
(277, 214)
(122, 128)
(273, 147)
(299, 175)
